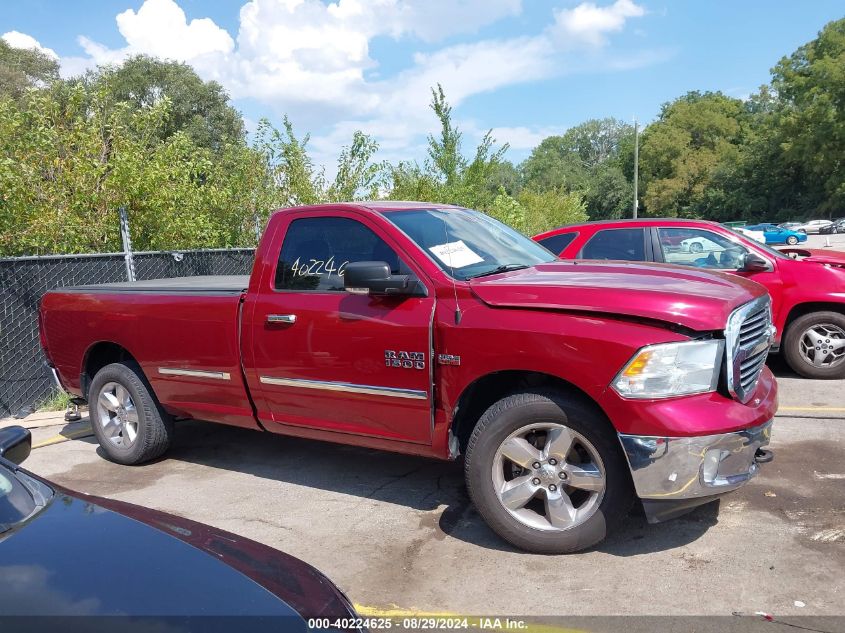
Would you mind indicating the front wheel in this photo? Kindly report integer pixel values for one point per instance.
(128, 421)
(792, 240)
(546, 473)
(814, 345)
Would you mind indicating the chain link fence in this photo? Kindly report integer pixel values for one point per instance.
(25, 379)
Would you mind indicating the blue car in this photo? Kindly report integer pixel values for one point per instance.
(777, 235)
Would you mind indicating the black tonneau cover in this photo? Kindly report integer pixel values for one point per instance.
(204, 284)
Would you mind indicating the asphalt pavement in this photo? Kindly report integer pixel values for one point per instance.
(400, 536)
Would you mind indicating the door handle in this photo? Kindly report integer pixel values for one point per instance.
(289, 319)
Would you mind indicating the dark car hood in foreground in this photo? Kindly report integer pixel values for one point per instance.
(90, 556)
(697, 299)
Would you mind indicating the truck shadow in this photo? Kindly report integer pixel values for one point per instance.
(433, 488)
(780, 369)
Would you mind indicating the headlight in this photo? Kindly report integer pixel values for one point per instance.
(671, 369)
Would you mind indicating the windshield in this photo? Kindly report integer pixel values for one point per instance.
(20, 498)
(467, 244)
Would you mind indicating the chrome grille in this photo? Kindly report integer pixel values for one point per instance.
(749, 336)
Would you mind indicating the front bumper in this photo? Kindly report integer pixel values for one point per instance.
(689, 471)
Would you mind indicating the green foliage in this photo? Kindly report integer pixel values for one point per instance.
(589, 159)
(809, 123)
(199, 109)
(71, 158)
(533, 212)
(56, 400)
(152, 136)
(297, 181)
(21, 69)
(688, 154)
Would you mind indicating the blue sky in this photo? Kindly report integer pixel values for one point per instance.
(526, 68)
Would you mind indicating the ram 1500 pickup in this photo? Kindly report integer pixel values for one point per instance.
(571, 388)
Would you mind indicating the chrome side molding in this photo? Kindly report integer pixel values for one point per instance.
(194, 373)
(347, 387)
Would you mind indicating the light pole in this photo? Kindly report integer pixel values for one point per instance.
(636, 163)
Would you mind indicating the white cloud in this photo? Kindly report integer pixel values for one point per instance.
(590, 24)
(16, 39)
(159, 28)
(313, 59)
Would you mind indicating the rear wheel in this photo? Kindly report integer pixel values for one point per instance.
(128, 421)
(792, 240)
(814, 345)
(546, 473)
(695, 247)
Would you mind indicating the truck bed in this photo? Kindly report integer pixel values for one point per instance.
(183, 332)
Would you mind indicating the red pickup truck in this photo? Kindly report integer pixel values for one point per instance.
(571, 388)
(807, 286)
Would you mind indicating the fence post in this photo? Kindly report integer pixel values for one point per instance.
(127, 244)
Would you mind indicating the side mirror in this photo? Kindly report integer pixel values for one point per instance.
(753, 263)
(15, 444)
(375, 278)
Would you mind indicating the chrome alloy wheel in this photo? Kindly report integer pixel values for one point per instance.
(548, 476)
(117, 414)
(823, 345)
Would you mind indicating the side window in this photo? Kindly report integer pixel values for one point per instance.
(700, 248)
(625, 244)
(556, 243)
(316, 251)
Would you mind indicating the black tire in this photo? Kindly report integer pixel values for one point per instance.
(792, 240)
(518, 410)
(792, 345)
(155, 427)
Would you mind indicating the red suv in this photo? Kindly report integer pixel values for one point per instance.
(807, 286)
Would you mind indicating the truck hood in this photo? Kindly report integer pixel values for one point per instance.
(816, 256)
(696, 299)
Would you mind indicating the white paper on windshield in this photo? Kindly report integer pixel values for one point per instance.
(456, 254)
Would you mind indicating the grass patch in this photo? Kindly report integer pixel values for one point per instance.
(58, 400)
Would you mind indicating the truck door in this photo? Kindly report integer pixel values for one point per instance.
(328, 359)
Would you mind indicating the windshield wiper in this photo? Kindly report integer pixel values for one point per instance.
(499, 269)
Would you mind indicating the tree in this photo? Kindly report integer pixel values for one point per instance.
(21, 69)
(447, 175)
(198, 108)
(298, 181)
(809, 122)
(357, 175)
(589, 158)
(69, 158)
(533, 212)
(506, 176)
(554, 165)
(688, 155)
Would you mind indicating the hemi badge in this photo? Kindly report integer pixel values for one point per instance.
(448, 359)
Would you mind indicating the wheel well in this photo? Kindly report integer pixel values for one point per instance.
(485, 391)
(99, 355)
(806, 308)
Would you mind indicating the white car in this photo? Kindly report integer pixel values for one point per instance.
(814, 226)
(699, 245)
(760, 236)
